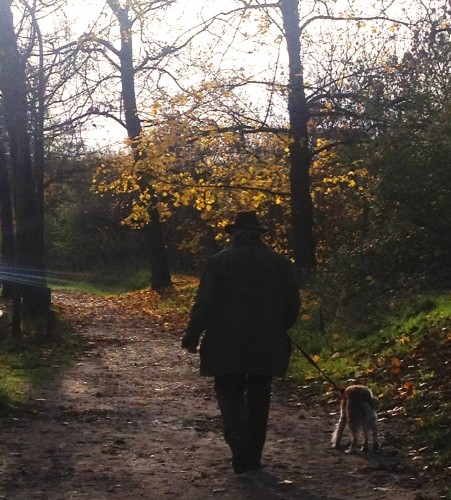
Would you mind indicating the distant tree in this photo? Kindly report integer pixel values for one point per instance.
(411, 153)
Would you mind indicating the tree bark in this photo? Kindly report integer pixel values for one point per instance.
(159, 266)
(299, 150)
(7, 225)
(39, 154)
(28, 222)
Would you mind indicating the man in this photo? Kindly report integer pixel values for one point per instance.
(247, 299)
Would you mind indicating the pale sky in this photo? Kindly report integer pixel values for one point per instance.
(184, 15)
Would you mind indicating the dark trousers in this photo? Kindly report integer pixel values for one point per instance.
(244, 404)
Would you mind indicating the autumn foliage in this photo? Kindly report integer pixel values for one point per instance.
(213, 174)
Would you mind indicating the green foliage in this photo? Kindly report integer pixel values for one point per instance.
(84, 233)
(395, 222)
(87, 235)
(413, 204)
(403, 356)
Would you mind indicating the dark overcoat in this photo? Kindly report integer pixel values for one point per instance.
(246, 301)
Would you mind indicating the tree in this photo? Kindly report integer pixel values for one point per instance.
(158, 260)
(207, 177)
(300, 151)
(30, 285)
(332, 88)
(382, 200)
(411, 217)
(329, 107)
(7, 225)
(103, 99)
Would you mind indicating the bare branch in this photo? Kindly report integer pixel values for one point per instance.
(353, 18)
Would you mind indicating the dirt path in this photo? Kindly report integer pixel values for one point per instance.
(133, 419)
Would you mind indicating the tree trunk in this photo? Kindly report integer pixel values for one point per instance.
(28, 223)
(7, 226)
(39, 158)
(159, 266)
(300, 154)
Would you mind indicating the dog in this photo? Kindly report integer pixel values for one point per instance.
(358, 413)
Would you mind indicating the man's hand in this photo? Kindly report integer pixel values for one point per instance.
(189, 345)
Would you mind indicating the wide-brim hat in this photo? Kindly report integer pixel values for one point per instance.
(247, 221)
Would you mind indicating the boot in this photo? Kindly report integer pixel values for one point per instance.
(234, 430)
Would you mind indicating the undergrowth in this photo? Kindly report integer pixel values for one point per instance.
(402, 353)
(29, 361)
(113, 281)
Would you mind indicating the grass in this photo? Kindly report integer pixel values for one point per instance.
(110, 282)
(405, 327)
(28, 362)
(403, 357)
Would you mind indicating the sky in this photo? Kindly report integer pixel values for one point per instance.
(105, 132)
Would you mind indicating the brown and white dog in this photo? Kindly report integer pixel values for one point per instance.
(358, 412)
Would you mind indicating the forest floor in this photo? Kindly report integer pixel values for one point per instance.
(133, 419)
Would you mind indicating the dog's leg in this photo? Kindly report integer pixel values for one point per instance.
(375, 436)
(338, 434)
(366, 438)
(353, 430)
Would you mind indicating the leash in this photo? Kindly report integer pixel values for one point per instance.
(312, 362)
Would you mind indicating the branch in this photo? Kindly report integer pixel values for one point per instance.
(282, 194)
(87, 114)
(357, 18)
(105, 43)
(242, 129)
(337, 95)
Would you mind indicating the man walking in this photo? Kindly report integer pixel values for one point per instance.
(246, 301)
